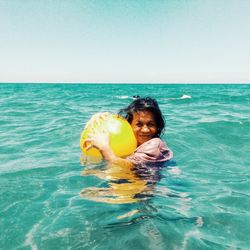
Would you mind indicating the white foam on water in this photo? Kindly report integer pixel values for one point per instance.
(186, 97)
(29, 241)
(193, 233)
(179, 98)
(123, 97)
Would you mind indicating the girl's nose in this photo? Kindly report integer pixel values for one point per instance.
(145, 129)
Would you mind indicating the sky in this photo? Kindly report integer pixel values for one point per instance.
(125, 41)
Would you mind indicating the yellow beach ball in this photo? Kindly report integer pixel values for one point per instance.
(121, 135)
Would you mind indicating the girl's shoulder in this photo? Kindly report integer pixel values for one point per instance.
(154, 150)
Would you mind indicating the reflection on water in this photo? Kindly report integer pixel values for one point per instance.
(125, 185)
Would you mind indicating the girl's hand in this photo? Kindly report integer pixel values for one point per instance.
(99, 140)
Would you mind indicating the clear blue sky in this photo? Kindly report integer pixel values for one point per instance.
(125, 41)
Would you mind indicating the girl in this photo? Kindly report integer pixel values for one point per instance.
(147, 123)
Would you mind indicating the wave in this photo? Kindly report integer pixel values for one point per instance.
(179, 98)
(124, 97)
(185, 97)
(135, 96)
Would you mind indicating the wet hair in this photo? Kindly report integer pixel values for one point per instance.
(144, 104)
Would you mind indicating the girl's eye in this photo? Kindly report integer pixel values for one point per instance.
(151, 125)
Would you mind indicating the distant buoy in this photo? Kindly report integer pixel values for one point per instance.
(122, 138)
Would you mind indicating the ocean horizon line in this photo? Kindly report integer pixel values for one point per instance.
(130, 83)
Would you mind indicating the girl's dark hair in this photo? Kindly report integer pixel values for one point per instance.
(144, 104)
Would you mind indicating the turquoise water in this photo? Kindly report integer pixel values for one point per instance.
(200, 201)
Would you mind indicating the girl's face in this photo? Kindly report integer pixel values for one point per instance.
(144, 126)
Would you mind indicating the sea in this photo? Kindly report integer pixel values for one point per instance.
(51, 199)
